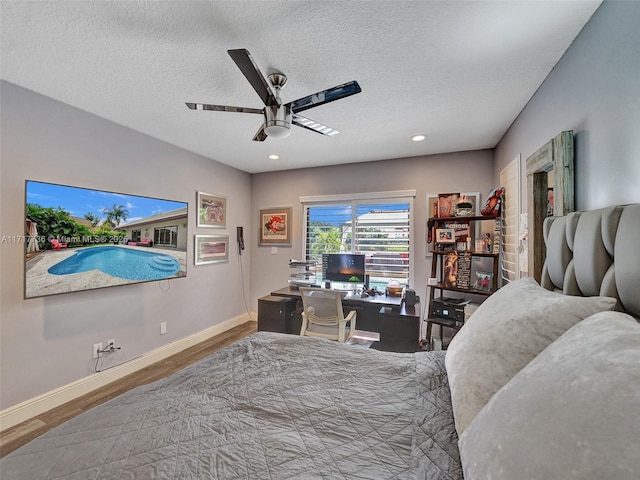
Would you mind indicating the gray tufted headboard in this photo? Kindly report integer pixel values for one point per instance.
(595, 253)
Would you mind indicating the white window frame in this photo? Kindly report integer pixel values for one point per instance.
(396, 196)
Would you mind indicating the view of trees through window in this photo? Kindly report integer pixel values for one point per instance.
(378, 230)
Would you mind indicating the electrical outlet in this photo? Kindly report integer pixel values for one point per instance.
(111, 344)
(163, 328)
(96, 349)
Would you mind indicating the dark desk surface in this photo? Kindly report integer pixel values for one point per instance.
(397, 305)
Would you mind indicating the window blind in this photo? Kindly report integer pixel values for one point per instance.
(378, 229)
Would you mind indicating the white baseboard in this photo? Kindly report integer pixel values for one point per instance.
(33, 407)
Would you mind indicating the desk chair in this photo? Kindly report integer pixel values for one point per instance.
(322, 315)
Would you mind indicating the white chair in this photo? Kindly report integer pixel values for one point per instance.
(322, 315)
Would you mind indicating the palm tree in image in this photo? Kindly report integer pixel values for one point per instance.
(115, 215)
(327, 240)
(92, 218)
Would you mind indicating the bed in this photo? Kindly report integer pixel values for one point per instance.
(269, 406)
(542, 382)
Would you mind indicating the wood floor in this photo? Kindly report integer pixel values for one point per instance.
(15, 437)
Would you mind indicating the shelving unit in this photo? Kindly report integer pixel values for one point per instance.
(438, 265)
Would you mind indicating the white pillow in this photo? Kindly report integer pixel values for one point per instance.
(572, 413)
(505, 333)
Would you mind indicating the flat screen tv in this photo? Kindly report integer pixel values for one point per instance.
(82, 239)
(344, 267)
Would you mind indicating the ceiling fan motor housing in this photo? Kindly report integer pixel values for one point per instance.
(277, 121)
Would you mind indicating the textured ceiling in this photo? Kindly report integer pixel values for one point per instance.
(459, 72)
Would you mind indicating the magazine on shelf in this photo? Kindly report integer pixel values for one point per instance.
(450, 274)
(463, 279)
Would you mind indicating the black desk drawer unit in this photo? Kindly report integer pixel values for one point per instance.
(400, 328)
(366, 315)
(274, 314)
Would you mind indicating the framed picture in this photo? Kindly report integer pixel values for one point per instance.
(274, 226)
(212, 210)
(445, 235)
(211, 249)
(484, 281)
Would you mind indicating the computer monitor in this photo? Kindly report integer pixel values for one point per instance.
(343, 267)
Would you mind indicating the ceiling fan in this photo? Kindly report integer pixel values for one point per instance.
(278, 117)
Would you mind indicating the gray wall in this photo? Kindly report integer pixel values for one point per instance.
(47, 342)
(454, 172)
(594, 90)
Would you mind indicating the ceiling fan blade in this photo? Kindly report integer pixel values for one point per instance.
(252, 73)
(305, 122)
(221, 108)
(260, 135)
(325, 96)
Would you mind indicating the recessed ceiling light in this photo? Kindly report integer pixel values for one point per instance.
(418, 138)
(273, 156)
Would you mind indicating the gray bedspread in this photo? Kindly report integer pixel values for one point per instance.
(270, 406)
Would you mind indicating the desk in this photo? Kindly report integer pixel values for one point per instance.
(397, 323)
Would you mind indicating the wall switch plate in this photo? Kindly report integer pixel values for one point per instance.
(96, 349)
(163, 328)
(274, 250)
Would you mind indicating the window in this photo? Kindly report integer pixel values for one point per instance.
(167, 236)
(379, 228)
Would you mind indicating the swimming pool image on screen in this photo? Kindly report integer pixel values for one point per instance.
(89, 268)
(119, 262)
(85, 239)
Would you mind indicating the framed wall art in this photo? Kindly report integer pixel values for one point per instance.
(212, 210)
(274, 226)
(211, 249)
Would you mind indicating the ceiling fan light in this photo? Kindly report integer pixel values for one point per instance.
(277, 129)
